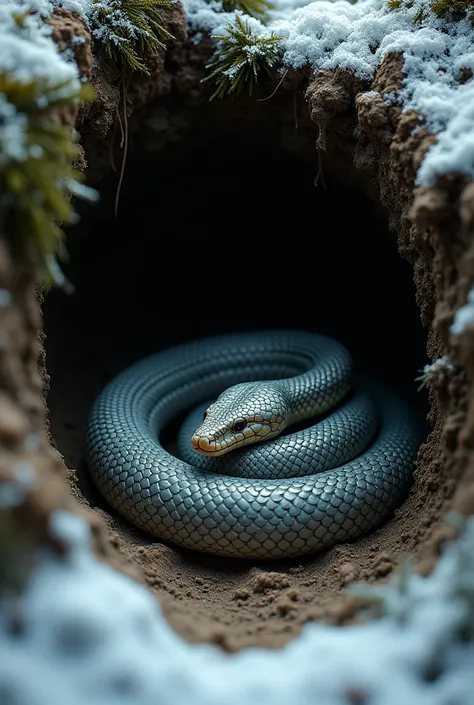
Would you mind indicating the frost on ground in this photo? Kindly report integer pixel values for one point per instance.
(325, 34)
(87, 635)
(27, 54)
(357, 37)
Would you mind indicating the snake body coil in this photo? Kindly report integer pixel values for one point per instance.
(330, 485)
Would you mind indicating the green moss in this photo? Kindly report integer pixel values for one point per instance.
(398, 4)
(453, 9)
(254, 8)
(445, 9)
(36, 176)
(243, 55)
(129, 29)
(407, 4)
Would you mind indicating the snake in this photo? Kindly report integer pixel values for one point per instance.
(284, 450)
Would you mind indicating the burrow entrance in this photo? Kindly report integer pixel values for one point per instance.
(226, 231)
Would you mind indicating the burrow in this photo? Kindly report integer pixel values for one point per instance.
(236, 224)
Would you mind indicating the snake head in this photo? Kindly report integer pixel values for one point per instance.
(244, 414)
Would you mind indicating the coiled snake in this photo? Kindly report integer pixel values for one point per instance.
(334, 481)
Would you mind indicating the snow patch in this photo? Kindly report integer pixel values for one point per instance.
(92, 636)
(464, 316)
(326, 34)
(27, 54)
(329, 35)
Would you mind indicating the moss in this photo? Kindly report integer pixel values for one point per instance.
(129, 29)
(36, 173)
(241, 57)
(444, 9)
(453, 9)
(398, 4)
(254, 8)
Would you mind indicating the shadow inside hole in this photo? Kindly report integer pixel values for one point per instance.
(208, 242)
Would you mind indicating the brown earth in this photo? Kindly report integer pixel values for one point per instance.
(371, 156)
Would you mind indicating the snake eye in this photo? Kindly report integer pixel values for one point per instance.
(204, 416)
(239, 425)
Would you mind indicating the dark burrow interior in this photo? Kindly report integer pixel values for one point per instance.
(219, 235)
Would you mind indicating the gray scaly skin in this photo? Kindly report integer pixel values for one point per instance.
(336, 439)
(293, 376)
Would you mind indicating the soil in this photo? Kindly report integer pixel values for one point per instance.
(400, 265)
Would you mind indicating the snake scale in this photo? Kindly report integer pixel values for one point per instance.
(334, 480)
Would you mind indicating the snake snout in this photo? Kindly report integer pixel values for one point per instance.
(203, 445)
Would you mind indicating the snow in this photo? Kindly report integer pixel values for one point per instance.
(24, 473)
(46, 7)
(329, 35)
(358, 37)
(117, 28)
(13, 494)
(436, 371)
(92, 636)
(5, 298)
(27, 54)
(324, 34)
(209, 15)
(464, 316)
